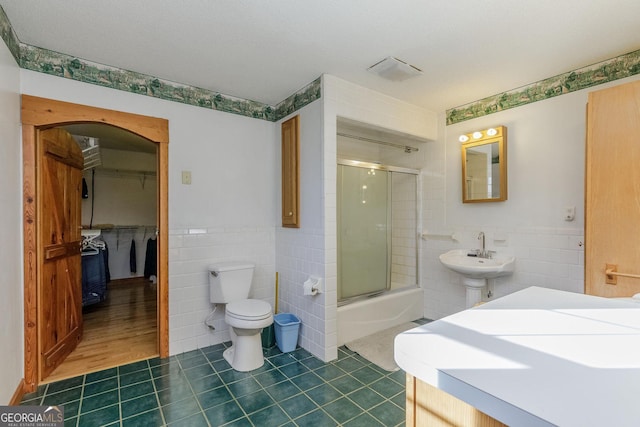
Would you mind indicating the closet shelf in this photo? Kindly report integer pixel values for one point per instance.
(124, 172)
(113, 227)
(128, 231)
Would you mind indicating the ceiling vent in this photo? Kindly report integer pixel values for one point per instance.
(394, 69)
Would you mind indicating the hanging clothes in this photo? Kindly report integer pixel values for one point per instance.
(95, 270)
(132, 257)
(85, 189)
(151, 259)
(107, 272)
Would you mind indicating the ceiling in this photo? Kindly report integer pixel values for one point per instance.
(266, 50)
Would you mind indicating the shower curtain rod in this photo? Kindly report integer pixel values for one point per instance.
(406, 148)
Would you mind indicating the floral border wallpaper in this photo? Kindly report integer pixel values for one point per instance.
(606, 71)
(62, 65)
(8, 35)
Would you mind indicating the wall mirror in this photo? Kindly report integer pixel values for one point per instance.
(484, 165)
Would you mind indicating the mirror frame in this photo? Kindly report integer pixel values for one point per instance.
(479, 138)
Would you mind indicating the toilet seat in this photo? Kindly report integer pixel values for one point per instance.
(249, 310)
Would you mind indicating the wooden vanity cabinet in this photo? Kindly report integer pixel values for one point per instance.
(428, 406)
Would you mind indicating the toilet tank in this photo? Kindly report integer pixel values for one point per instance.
(230, 281)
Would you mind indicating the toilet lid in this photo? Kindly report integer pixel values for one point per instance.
(249, 309)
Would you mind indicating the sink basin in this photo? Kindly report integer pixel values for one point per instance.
(478, 268)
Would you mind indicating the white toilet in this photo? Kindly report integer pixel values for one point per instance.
(230, 283)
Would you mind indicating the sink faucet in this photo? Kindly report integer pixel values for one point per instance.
(483, 253)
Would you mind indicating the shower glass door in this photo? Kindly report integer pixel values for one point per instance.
(363, 231)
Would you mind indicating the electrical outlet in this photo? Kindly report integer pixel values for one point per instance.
(186, 177)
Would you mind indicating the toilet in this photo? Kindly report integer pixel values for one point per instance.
(230, 283)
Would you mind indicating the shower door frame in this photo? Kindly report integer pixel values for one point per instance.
(386, 168)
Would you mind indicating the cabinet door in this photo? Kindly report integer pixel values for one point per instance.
(291, 172)
(429, 406)
(612, 200)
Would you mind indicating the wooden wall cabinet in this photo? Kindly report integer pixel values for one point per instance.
(291, 172)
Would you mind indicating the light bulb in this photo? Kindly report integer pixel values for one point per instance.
(477, 135)
(463, 138)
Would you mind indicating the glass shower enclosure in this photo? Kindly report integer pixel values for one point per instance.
(377, 229)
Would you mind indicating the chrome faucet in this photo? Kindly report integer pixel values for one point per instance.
(483, 253)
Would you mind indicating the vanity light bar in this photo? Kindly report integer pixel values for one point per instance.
(479, 135)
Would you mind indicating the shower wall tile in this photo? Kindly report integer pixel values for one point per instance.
(346, 100)
(403, 230)
(191, 254)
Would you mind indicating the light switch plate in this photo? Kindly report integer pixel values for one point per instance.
(186, 177)
(569, 213)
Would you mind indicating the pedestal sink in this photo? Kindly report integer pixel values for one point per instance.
(475, 270)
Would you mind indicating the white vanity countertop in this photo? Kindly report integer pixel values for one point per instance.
(537, 357)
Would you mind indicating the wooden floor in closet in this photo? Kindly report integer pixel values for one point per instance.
(119, 330)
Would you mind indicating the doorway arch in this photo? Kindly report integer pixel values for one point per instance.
(41, 113)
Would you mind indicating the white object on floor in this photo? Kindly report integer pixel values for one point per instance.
(378, 348)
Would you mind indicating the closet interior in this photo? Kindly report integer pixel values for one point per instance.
(119, 250)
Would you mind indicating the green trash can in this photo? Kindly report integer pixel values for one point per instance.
(268, 337)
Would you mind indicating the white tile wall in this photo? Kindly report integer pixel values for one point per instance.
(191, 251)
(300, 252)
(547, 257)
(301, 255)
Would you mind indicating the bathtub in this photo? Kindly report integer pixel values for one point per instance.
(366, 317)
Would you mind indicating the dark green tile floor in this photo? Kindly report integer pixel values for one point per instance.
(199, 388)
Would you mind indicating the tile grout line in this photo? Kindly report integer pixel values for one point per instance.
(119, 400)
(155, 393)
(195, 395)
(84, 382)
(261, 388)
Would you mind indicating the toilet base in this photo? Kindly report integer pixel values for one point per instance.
(245, 354)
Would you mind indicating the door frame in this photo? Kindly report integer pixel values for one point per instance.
(41, 113)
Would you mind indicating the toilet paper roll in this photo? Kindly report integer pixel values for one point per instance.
(308, 288)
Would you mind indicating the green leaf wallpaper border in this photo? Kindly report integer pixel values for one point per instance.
(62, 65)
(617, 68)
(303, 97)
(9, 36)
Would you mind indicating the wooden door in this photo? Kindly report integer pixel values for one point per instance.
(612, 202)
(60, 164)
(38, 113)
